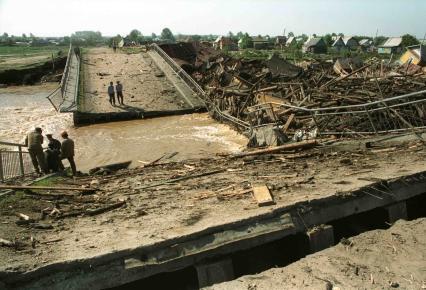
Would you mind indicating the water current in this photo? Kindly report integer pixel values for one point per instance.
(192, 136)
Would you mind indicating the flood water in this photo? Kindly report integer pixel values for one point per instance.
(192, 136)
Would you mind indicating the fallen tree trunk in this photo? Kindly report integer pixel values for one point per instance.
(45, 187)
(292, 146)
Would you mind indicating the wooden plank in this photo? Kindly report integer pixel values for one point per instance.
(262, 195)
(287, 124)
(290, 146)
(45, 187)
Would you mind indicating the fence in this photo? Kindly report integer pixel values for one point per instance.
(191, 83)
(64, 98)
(14, 162)
(394, 114)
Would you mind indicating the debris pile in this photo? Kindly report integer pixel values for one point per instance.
(348, 96)
(261, 93)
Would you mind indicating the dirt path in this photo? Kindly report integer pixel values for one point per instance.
(380, 259)
(145, 86)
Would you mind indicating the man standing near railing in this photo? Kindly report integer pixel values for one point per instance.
(34, 141)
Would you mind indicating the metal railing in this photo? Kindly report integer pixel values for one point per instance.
(180, 72)
(64, 98)
(394, 114)
(14, 162)
(194, 86)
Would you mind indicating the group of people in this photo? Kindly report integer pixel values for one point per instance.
(51, 159)
(112, 93)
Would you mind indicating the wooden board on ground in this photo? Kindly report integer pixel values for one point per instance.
(262, 195)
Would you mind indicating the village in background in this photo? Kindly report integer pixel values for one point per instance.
(290, 46)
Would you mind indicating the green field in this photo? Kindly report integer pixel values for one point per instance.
(19, 57)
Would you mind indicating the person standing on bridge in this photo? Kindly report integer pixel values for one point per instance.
(111, 94)
(34, 141)
(119, 90)
(67, 151)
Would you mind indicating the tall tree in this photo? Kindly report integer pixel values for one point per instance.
(408, 40)
(290, 34)
(167, 34)
(135, 35)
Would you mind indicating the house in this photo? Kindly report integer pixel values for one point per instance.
(260, 42)
(291, 41)
(338, 44)
(224, 43)
(366, 44)
(245, 42)
(280, 41)
(392, 45)
(315, 45)
(345, 42)
(415, 54)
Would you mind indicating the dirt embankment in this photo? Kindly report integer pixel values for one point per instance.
(33, 74)
(380, 259)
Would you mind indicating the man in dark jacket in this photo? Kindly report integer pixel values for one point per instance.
(53, 153)
(34, 141)
(119, 90)
(67, 151)
(111, 94)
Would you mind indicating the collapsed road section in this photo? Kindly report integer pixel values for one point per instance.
(200, 219)
(150, 89)
(382, 259)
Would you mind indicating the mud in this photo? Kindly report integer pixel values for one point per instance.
(379, 259)
(156, 210)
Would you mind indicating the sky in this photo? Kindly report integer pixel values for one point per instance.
(218, 17)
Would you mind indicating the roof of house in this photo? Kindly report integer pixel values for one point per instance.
(347, 38)
(338, 41)
(365, 42)
(290, 39)
(392, 42)
(313, 41)
(259, 39)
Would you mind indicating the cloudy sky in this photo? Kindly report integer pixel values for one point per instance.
(111, 17)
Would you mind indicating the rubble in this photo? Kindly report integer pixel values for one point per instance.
(345, 97)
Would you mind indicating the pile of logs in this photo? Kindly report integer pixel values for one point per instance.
(262, 92)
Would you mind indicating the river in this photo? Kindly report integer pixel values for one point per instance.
(192, 136)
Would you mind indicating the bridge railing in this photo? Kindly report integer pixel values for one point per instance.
(191, 83)
(14, 162)
(394, 114)
(64, 98)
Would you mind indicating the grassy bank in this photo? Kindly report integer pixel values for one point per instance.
(17, 57)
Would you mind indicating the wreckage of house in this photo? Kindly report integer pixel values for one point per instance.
(415, 54)
(315, 45)
(392, 45)
(225, 43)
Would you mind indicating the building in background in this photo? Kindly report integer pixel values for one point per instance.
(315, 45)
(391, 45)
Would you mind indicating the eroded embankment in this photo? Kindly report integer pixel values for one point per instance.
(34, 73)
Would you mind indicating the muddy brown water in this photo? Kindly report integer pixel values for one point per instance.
(192, 136)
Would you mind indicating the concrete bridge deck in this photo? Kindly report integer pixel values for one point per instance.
(147, 88)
